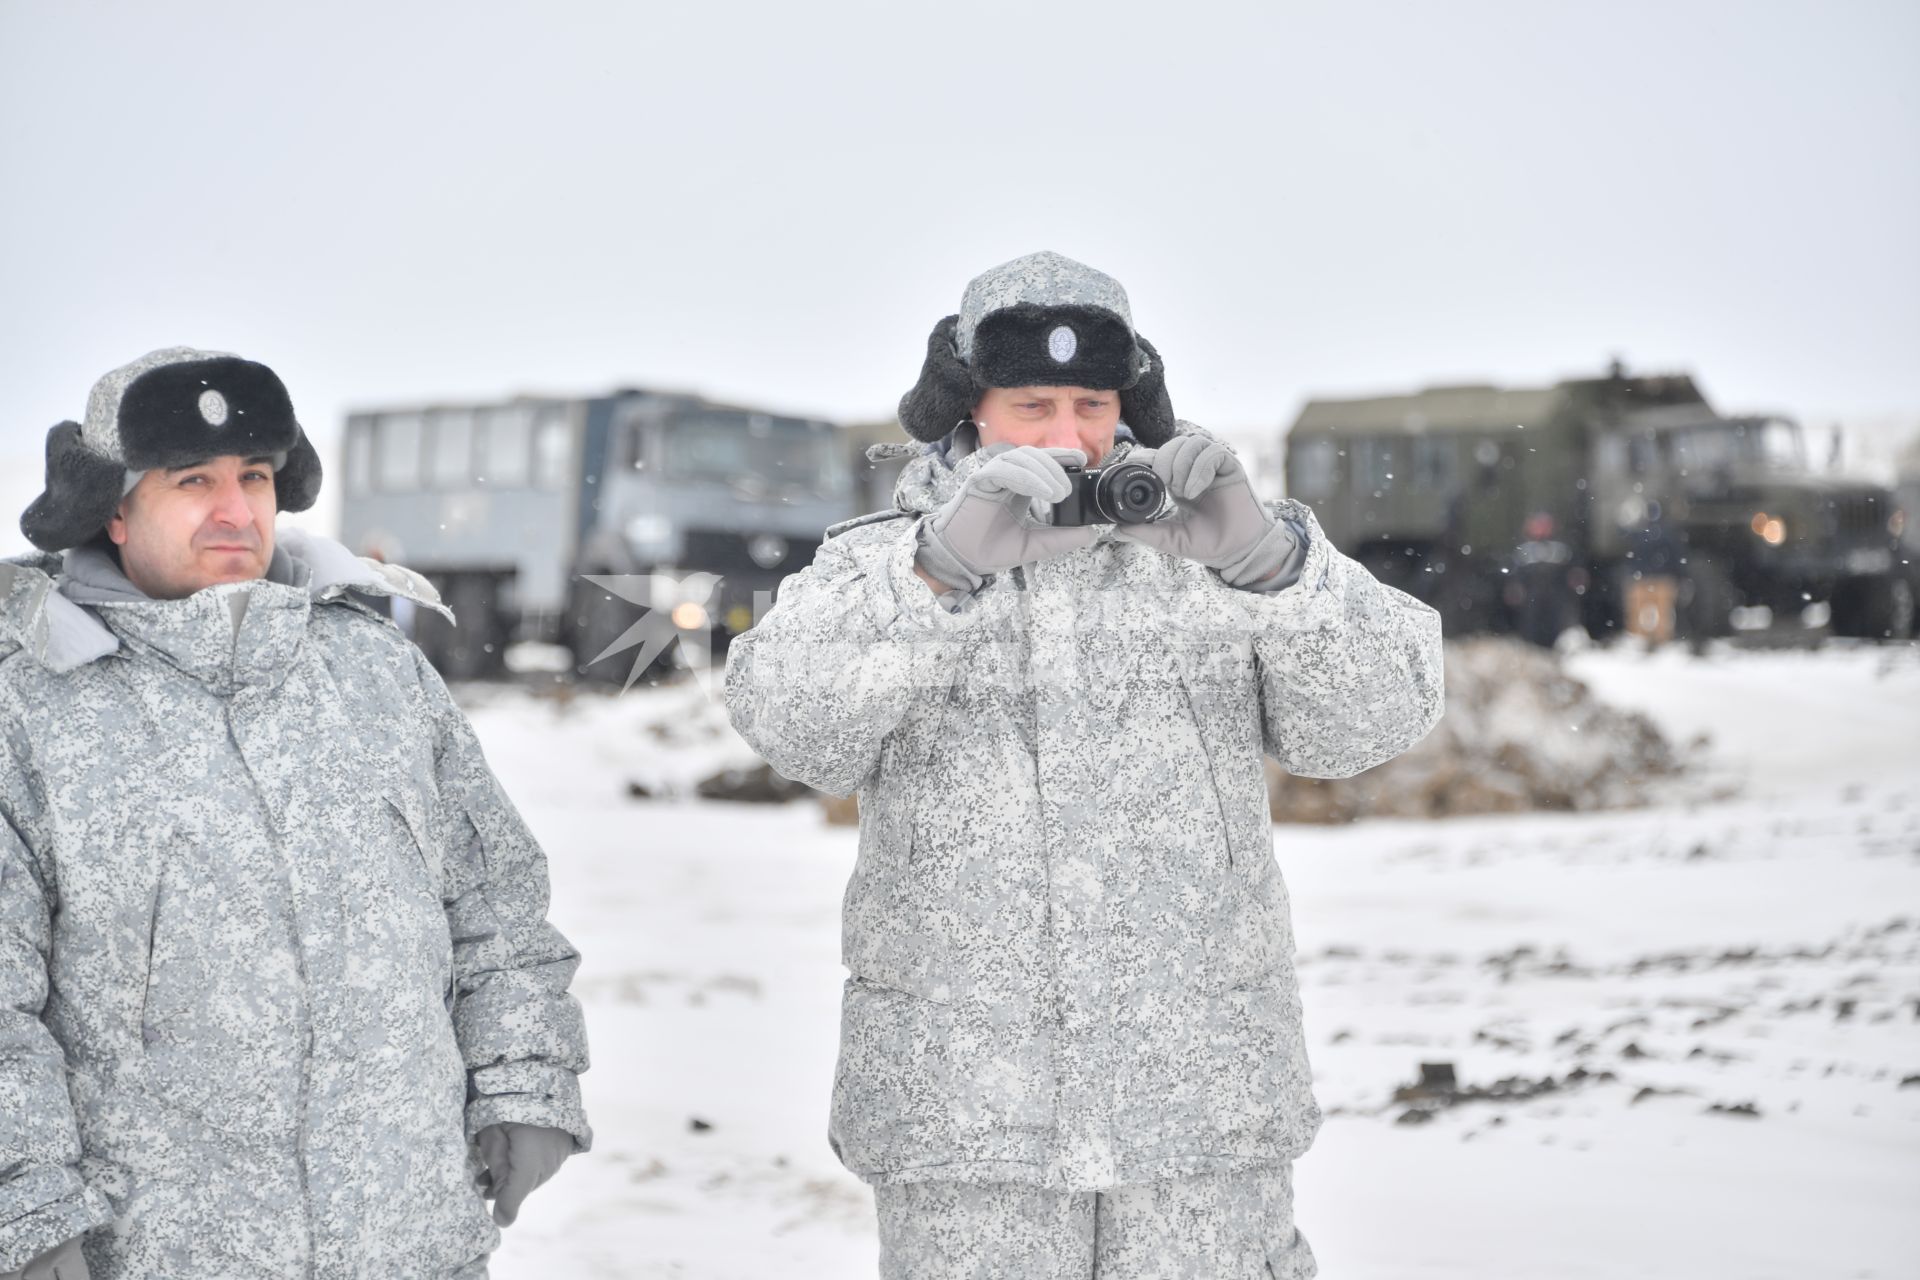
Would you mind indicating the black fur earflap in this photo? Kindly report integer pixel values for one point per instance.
(945, 395)
(1146, 407)
(83, 491)
(296, 485)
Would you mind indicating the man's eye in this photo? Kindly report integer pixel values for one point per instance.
(259, 475)
(187, 480)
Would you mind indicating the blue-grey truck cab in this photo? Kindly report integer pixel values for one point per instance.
(699, 508)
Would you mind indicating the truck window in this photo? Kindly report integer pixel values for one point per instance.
(1314, 476)
(1610, 457)
(1641, 455)
(506, 446)
(552, 449)
(1432, 463)
(451, 449)
(397, 452)
(359, 457)
(757, 451)
(1773, 443)
(1373, 465)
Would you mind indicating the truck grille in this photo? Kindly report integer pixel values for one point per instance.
(725, 553)
(1856, 517)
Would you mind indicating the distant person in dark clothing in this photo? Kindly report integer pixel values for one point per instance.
(1657, 558)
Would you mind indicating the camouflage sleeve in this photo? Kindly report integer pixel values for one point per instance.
(817, 685)
(43, 1201)
(521, 1033)
(1350, 668)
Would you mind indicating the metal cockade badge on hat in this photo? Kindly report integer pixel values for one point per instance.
(1061, 344)
(213, 408)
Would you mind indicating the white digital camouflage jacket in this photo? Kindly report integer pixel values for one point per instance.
(1071, 951)
(273, 944)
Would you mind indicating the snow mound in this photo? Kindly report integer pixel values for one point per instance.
(1519, 734)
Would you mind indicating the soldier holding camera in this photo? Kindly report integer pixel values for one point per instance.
(1071, 1041)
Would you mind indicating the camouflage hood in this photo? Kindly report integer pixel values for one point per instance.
(1070, 947)
(273, 944)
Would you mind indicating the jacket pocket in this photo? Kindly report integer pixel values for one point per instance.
(923, 1082)
(1261, 1080)
(889, 1084)
(889, 934)
(417, 838)
(1289, 1257)
(158, 841)
(416, 874)
(1252, 933)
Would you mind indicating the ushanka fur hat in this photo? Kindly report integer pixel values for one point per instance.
(1041, 320)
(171, 408)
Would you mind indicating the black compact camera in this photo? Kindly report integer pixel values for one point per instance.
(1126, 493)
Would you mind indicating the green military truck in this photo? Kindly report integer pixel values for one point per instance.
(1527, 510)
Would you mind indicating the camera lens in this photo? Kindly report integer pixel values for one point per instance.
(1130, 493)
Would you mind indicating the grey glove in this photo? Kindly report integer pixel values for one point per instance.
(62, 1262)
(1218, 521)
(988, 525)
(519, 1157)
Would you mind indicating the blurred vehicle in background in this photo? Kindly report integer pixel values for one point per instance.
(504, 507)
(1906, 493)
(1533, 510)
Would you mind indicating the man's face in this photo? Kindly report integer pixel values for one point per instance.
(179, 531)
(1050, 418)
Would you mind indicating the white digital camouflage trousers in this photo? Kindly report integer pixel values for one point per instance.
(1233, 1226)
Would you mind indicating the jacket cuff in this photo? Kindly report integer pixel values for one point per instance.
(1273, 562)
(939, 560)
(63, 1207)
(1316, 599)
(528, 1093)
(906, 608)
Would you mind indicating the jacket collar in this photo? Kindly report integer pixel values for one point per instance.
(68, 612)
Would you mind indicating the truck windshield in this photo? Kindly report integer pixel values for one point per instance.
(756, 453)
(1773, 443)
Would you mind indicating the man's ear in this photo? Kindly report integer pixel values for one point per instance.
(117, 523)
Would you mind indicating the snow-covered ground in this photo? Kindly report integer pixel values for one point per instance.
(1735, 979)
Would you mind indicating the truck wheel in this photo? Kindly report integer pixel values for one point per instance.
(1468, 603)
(475, 647)
(1874, 608)
(1709, 608)
(1602, 611)
(1903, 607)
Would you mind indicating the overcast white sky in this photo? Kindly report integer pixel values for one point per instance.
(774, 202)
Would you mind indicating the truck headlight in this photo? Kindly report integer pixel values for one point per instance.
(652, 537)
(1771, 530)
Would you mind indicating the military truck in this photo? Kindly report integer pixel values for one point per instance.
(505, 506)
(1528, 510)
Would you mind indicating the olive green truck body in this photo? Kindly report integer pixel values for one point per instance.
(1530, 509)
